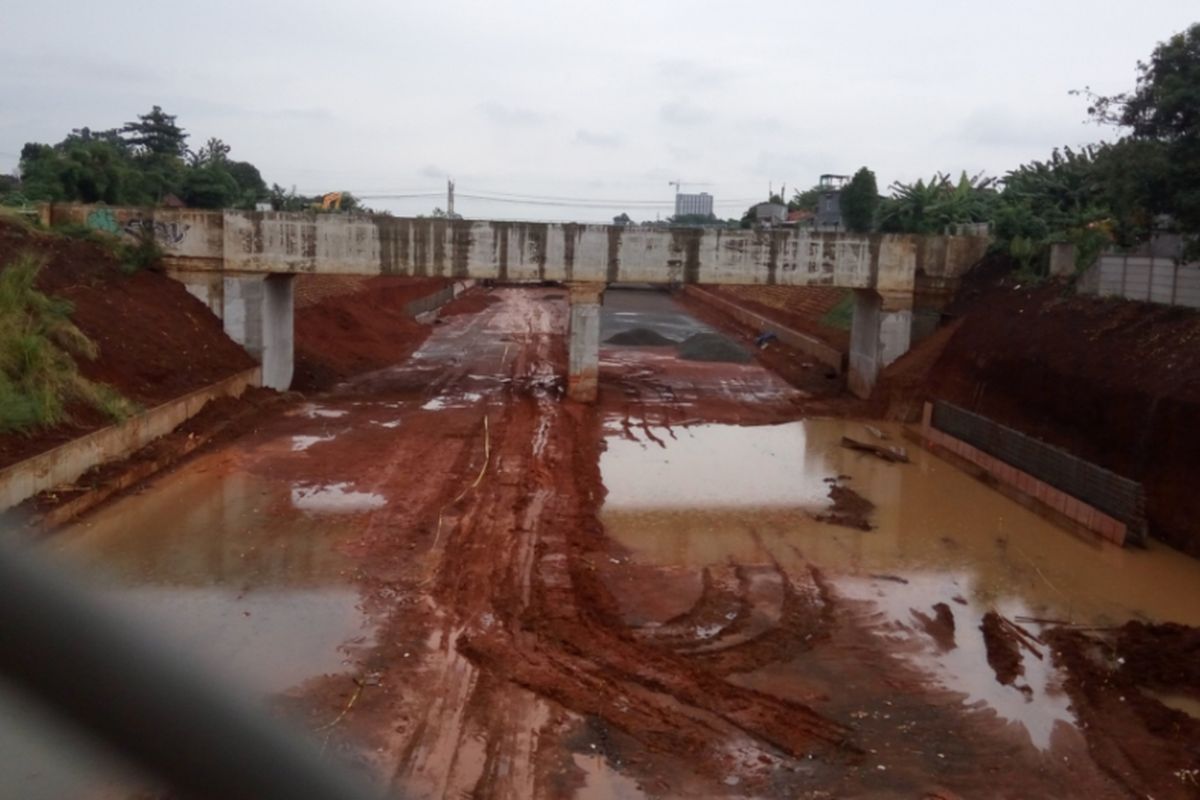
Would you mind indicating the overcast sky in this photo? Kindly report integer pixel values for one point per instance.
(598, 100)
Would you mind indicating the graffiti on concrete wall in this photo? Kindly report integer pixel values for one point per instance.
(163, 232)
(103, 219)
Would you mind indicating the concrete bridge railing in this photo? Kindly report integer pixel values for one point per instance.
(240, 263)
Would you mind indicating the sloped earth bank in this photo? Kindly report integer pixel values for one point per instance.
(1115, 382)
(635, 599)
(156, 341)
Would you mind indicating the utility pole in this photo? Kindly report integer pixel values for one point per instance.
(449, 198)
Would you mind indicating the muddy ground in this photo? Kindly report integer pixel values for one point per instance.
(506, 654)
(519, 649)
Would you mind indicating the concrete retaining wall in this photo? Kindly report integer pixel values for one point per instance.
(1152, 279)
(438, 299)
(65, 463)
(1023, 485)
(810, 345)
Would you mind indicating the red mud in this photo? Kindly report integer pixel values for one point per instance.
(940, 626)
(506, 653)
(850, 509)
(1003, 649)
(156, 341)
(345, 329)
(1148, 748)
(515, 639)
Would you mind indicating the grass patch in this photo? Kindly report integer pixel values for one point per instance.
(840, 316)
(39, 379)
(131, 256)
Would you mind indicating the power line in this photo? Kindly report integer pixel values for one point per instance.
(546, 200)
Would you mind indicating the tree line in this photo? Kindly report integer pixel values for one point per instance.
(143, 163)
(1120, 193)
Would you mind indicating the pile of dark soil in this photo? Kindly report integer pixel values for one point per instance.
(156, 341)
(640, 337)
(713, 347)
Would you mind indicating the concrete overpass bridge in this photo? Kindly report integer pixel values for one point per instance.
(241, 263)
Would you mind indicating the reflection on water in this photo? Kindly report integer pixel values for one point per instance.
(715, 466)
(712, 494)
(335, 498)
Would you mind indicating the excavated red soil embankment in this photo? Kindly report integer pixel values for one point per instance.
(1115, 382)
(345, 326)
(156, 341)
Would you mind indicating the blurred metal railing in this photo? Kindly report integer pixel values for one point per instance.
(145, 700)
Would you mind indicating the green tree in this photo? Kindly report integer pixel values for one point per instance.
(209, 186)
(156, 133)
(805, 200)
(1159, 158)
(860, 201)
(929, 208)
(251, 185)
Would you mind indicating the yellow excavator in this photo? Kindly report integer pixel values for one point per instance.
(331, 201)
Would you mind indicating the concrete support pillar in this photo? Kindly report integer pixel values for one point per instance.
(881, 333)
(257, 312)
(583, 334)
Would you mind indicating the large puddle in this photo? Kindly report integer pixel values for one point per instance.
(714, 495)
(239, 570)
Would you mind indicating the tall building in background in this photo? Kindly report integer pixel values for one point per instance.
(688, 204)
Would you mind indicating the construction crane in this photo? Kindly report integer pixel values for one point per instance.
(679, 184)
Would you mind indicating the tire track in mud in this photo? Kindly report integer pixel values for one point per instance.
(520, 650)
(522, 616)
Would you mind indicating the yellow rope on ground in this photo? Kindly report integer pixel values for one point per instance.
(487, 458)
(358, 687)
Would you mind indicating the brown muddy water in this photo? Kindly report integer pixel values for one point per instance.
(715, 495)
(238, 569)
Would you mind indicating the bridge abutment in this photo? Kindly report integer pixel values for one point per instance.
(583, 337)
(881, 333)
(258, 314)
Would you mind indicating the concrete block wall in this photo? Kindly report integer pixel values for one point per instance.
(1024, 484)
(1152, 279)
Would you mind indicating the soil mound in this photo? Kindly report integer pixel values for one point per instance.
(640, 337)
(343, 333)
(156, 341)
(713, 347)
